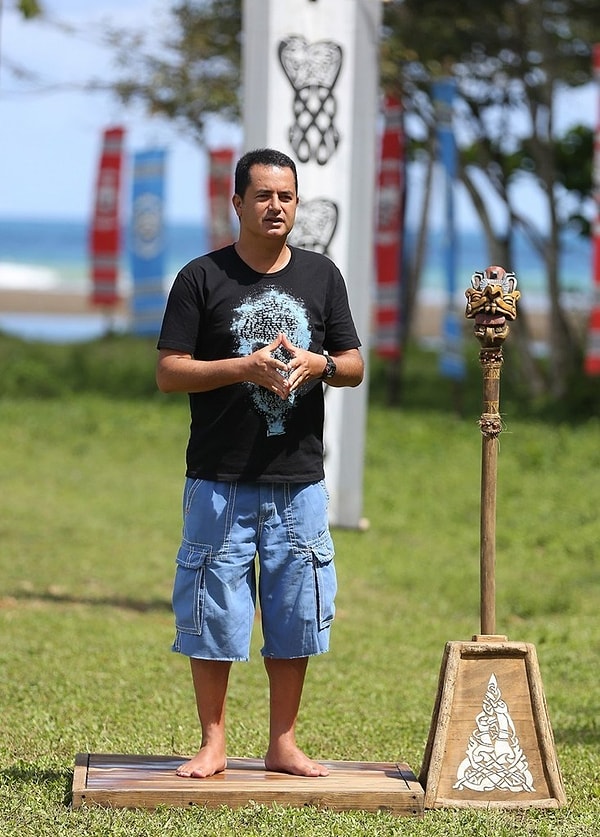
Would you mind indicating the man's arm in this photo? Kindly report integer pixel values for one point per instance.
(178, 371)
(350, 369)
(305, 366)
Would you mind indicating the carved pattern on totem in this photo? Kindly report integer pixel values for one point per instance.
(315, 225)
(494, 758)
(312, 70)
(491, 301)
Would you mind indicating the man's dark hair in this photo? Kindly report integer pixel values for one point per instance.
(261, 157)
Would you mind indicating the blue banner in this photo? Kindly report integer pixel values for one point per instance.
(147, 242)
(451, 362)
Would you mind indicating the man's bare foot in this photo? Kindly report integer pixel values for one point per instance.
(204, 764)
(292, 760)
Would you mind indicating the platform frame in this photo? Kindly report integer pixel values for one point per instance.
(146, 781)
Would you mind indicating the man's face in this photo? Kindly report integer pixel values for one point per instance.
(268, 208)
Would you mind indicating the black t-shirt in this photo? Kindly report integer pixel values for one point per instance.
(219, 308)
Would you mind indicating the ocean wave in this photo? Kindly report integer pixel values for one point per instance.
(27, 277)
(19, 276)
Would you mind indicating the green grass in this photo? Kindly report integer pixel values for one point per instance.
(91, 484)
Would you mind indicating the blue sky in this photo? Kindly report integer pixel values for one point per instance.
(49, 141)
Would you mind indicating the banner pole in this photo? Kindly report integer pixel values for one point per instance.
(592, 358)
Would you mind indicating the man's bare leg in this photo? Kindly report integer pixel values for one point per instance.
(286, 680)
(210, 678)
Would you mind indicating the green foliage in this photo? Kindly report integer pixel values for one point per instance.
(196, 73)
(506, 40)
(422, 388)
(117, 365)
(122, 367)
(91, 488)
(574, 156)
(508, 60)
(30, 8)
(574, 153)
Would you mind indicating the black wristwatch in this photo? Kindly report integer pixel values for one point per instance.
(330, 369)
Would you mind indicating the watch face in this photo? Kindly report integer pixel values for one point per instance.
(330, 368)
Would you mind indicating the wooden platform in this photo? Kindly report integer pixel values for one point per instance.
(122, 781)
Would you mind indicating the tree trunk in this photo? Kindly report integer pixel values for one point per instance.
(500, 253)
(562, 340)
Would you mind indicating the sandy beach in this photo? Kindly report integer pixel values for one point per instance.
(428, 318)
(50, 302)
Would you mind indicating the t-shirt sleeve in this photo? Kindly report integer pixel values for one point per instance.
(340, 331)
(183, 312)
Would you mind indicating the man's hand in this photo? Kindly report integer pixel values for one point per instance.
(266, 370)
(279, 367)
(303, 366)
(284, 376)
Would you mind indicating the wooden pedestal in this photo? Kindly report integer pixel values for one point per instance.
(121, 781)
(490, 743)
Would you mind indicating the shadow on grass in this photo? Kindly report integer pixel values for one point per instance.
(118, 602)
(29, 774)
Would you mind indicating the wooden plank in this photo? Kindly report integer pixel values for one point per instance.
(80, 774)
(138, 781)
(544, 730)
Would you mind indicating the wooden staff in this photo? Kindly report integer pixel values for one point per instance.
(491, 426)
(491, 301)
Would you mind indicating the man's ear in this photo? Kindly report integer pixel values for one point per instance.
(237, 204)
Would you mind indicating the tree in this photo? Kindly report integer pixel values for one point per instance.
(196, 72)
(509, 59)
(574, 156)
(29, 8)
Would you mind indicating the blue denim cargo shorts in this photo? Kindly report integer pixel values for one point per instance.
(226, 525)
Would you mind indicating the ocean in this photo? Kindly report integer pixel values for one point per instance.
(52, 255)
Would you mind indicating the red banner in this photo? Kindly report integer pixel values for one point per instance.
(105, 235)
(220, 190)
(592, 359)
(389, 232)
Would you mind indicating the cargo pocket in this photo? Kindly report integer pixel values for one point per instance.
(189, 586)
(322, 552)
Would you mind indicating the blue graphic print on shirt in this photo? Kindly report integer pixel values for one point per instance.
(257, 322)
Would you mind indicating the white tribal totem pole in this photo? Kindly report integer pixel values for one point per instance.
(310, 89)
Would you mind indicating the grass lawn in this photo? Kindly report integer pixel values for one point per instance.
(90, 521)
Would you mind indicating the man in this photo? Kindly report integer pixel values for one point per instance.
(244, 333)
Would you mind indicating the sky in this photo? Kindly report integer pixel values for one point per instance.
(50, 141)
